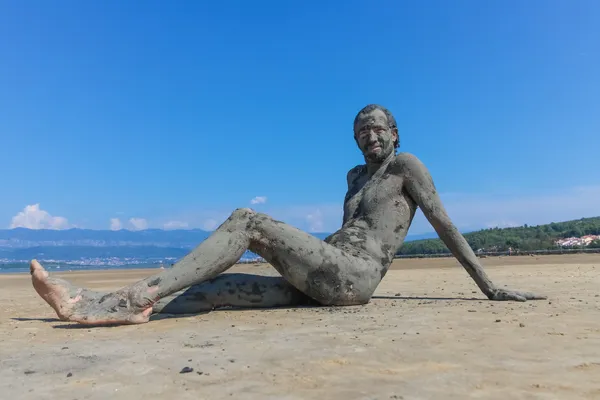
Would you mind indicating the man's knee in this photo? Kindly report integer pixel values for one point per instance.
(239, 219)
(257, 224)
(346, 299)
(361, 293)
(242, 214)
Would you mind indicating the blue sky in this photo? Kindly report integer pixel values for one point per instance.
(172, 114)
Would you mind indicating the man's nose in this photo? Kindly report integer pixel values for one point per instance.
(371, 137)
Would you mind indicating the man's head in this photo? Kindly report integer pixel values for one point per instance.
(376, 132)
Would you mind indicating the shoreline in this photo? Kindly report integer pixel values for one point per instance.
(398, 263)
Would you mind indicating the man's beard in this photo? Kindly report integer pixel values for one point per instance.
(379, 157)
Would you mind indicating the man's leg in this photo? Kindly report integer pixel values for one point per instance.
(323, 272)
(233, 290)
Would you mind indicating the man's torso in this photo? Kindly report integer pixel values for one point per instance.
(377, 212)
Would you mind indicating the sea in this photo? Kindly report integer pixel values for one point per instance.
(21, 267)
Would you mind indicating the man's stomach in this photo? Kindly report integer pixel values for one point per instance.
(361, 242)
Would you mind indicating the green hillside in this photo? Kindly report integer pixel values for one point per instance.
(541, 237)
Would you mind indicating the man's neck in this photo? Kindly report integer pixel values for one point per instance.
(373, 167)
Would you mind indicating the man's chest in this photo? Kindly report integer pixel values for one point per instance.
(367, 196)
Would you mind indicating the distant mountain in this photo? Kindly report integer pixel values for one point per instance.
(22, 237)
(104, 247)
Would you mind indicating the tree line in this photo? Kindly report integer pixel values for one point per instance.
(524, 238)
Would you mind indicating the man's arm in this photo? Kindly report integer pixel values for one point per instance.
(420, 187)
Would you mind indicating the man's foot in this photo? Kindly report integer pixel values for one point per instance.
(85, 306)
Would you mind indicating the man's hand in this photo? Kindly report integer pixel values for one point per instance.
(514, 295)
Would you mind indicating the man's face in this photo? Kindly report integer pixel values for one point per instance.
(374, 136)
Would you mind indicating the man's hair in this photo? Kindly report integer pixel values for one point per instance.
(390, 118)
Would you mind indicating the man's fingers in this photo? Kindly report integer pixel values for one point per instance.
(531, 296)
(504, 295)
(524, 296)
(516, 296)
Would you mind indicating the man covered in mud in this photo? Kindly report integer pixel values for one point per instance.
(342, 270)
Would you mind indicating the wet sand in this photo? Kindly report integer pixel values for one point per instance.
(428, 334)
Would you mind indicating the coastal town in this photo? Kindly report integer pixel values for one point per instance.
(583, 241)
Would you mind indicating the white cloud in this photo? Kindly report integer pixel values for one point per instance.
(33, 217)
(311, 218)
(175, 225)
(204, 218)
(138, 224)
(315, 221)
(259, 200)
(115, 224)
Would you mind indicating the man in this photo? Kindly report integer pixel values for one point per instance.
(344, 269)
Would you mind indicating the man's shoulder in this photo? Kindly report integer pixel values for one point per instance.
(403, 160)
(406, 157)
(357, 169)
(354, 172)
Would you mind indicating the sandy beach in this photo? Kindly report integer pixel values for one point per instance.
(428, 334)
